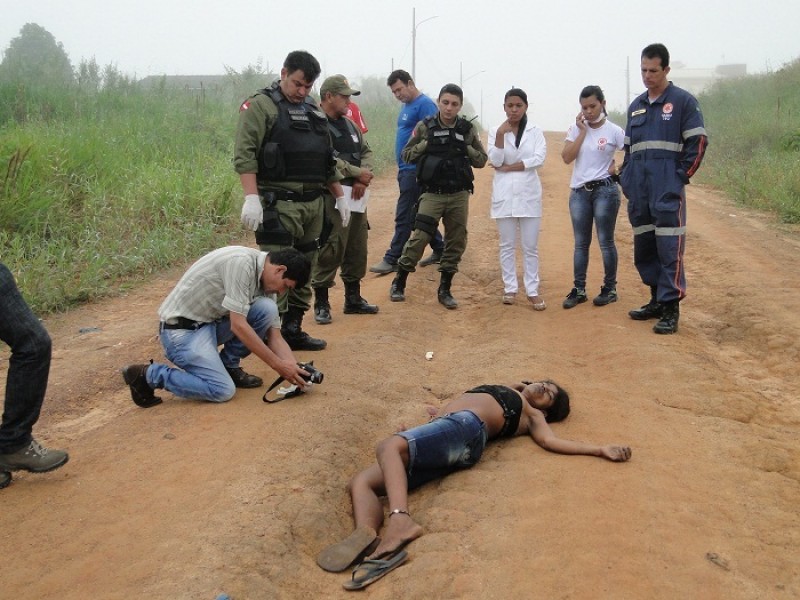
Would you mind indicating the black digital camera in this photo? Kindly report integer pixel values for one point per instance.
(314, 374)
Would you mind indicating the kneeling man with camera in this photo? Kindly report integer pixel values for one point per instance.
(228, 299)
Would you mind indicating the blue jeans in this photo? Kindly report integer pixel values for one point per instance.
(602, 206)
(446, 444)
(201, 373)
(28, 367)
(404, 217)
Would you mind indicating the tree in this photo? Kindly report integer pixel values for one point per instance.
(36, 58)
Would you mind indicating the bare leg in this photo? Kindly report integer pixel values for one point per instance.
(365, 488)
(392, 456)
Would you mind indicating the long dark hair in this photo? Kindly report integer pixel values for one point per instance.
(524, 120)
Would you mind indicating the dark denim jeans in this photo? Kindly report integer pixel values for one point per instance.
(601, 206)
(404, 217)
(28, 367)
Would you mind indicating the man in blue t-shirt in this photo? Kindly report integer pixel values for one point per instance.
(416, 107)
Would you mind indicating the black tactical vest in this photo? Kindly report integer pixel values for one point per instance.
(298, 147)
(345, 143)
(445, 167)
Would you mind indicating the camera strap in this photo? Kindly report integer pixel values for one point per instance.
(281, 393)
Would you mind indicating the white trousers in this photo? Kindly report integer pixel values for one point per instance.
(528, 228)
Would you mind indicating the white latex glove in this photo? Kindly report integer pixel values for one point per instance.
(344, 210)
(252, 212)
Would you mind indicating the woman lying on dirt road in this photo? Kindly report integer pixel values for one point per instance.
(453, 439)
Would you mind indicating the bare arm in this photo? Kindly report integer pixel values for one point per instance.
(571, 149)
(542, 434)
(249, 185)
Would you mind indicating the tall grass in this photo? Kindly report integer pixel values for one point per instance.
(754, 150)
(102, 189)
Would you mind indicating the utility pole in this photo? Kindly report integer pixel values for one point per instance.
(414, 26)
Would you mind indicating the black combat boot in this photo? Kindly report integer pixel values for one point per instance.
(354, 304)
(652, 310)
(669, 318)
(322, 308)
(445, 298)
(397, 293)
(292, 332)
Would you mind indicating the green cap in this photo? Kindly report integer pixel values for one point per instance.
(337, 84)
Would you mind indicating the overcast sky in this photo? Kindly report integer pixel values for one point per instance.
(550, 49)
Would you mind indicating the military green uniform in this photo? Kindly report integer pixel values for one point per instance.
(446, 200)
(345, 247)
(293, 209)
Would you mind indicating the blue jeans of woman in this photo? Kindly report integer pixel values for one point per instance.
(28, 366)
(446, 444)
(201, 372)
(601, 205)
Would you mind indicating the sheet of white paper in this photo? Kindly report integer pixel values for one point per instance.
(358, 206)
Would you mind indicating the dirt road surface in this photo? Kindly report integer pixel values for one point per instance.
(188, 500)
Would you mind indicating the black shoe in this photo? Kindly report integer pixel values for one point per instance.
(141, 392)
(244, 380)
(354, 303)
(575, 297)
(607, 295)
(434, 258)
(397, 293)
(359, 306)
(5, 479)
(303, 341)
(322, 313)
(443, 293)
(669, 319)
(651, 310)
(34, 458)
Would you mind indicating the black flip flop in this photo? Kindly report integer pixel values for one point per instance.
(374, 569)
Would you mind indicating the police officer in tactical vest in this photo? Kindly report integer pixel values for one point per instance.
(445, 148)
(344, 245)
(284, 157)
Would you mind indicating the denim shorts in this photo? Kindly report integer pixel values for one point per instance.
(446, 444)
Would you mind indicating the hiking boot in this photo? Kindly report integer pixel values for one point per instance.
(383, 268)
(652, 310)
(443, 293)
(5, 479)
(243, 379)
(354, 303)
(141, 392)
(434, 258)
(322, 307)
(669, 318)
(292, 332)
(607, 295)
(397, 293)
(322, 314)
(575, 297)
(34, 458)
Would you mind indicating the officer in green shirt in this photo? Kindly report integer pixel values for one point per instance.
(444, 147)
(346, 244)
(284, 157)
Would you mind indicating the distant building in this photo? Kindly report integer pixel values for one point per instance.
(697, 81)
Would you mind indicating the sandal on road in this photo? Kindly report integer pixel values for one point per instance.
(373, 569)
(337, 557)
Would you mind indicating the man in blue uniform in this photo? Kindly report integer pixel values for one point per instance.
(665, 140)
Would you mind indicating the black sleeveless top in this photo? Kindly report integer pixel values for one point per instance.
(509, 400)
